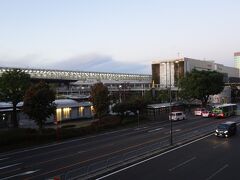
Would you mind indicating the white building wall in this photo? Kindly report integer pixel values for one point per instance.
(166, 74)
(231, 71)
(198, 64)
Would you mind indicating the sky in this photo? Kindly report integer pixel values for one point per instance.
(116, 35)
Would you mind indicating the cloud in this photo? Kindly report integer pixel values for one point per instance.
(25, 61)
(100, 63)
(88, 62)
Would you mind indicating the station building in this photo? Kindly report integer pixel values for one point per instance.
(66, 109)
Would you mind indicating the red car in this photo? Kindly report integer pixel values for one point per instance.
(208, 114)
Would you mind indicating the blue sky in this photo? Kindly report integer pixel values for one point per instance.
(116, 35)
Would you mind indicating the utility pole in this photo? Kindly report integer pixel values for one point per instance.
(170, 105)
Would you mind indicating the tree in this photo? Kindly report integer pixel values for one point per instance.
(38, 103)
(13, 85)
(200, 85)
(100, 99)
(121, 108)
(138, 104)
(163, 96)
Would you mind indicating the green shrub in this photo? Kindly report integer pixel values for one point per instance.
(107, 122)
(69, 126)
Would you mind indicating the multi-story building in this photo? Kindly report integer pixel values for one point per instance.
(168, 72)
(237, 60)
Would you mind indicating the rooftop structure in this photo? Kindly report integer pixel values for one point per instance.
(77, 75)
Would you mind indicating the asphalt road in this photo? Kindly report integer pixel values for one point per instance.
(61, 158)
(209, 158)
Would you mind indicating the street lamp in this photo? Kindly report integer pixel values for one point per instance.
(170, 98)
(120, 87)
(178, 76)
(138, 118)
(170, 104)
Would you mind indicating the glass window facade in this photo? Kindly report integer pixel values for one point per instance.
(237, 60)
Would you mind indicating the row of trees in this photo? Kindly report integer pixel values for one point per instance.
(195, 85)
(15, 86)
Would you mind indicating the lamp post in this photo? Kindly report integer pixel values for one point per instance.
(178, 75)
(170, 104)
(170, 98)
(138, 118)
(120, 98)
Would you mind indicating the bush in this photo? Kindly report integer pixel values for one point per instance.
(106, 122)
(69, 126)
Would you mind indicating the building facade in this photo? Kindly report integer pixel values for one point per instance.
(66, 109)
(237, 60)
(168, 72)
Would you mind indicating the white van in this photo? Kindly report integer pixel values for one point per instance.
(175, 116)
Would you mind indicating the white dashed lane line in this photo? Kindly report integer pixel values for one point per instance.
(158, 129)
(8, 166)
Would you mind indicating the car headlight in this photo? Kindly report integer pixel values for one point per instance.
(225, 132)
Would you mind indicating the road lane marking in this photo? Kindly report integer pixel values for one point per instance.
(161, 154)
(5, 167)
(20, 174)
(220, 144)
(74, 140)
(62, 149)
(104, 155)
(183, 163)
(155, 130)
(177, 130)
(60, 143)
(141, 128)
(80, 152)
(218, 171)
(3, 159)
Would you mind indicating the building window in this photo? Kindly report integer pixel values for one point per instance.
(92, 110)
(59, 114)
(81, 111)
(66, 113)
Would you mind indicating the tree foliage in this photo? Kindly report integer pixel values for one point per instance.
(38, 103)
(13, 85)
(200, 85)
(100, 99)
(134, 104)
(163, 96)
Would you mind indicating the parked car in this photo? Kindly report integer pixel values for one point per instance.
(198, 111)
(207, 114)
(226, 129)
(175, 116)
